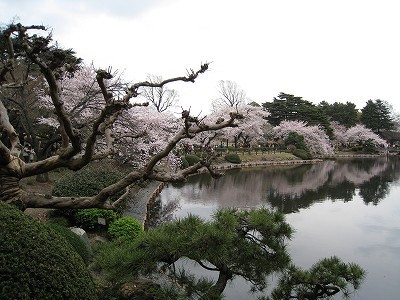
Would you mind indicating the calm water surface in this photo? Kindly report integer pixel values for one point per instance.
(348, 208)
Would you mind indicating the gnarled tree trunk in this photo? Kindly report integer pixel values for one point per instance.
(10, 176)
(218, 288)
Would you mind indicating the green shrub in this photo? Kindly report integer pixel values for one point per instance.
(63, 221)
(86, 183)
(296, 140)
(303, 154)
(192, 159)
(67, 213)
(184, 163)
(76, 242)
(38, 263)
(357, 148)
(369, 147)
(126, 227)
(233, 158)
(89, 218)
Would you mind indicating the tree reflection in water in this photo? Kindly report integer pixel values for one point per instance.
(365, 230)
(289, 188)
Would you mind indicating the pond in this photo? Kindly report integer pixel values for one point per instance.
(347, 207)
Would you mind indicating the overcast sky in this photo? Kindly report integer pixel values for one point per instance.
(341, 50)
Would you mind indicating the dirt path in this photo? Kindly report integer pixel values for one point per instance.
(31, 185)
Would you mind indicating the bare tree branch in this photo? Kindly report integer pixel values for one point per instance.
(191, 76)
(75, 151)
(6, 126)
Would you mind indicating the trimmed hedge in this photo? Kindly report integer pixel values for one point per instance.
(62, 221)
(192, 159)
(296, 140)
(125, 227)
(38, 263)
(89, 218)
(86, 183)
(303, 154)
(184, 163)
(79, 245)
(233, 158)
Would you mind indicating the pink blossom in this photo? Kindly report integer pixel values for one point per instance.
(315, 138)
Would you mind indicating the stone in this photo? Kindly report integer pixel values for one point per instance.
(81, 233)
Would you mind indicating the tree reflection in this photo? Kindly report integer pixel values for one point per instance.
(290, 188)
(287, 203)
(374, 190)
(337, 181)
(159, 212)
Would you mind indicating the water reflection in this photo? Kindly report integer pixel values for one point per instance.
(346, 207)
(291, 188)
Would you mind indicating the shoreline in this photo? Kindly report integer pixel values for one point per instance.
(148, 194)
(138, 206)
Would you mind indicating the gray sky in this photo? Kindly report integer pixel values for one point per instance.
(341, 50)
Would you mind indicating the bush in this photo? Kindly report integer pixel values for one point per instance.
(63, 221)
(126, 227)
(369, 147)
(233, 158)
(89, 218)
(192, 159)
(357, 148)
(86, 183)
(67, 213)
(221, 149)
(303, 154)
(37, 263)
(184, 163)
(76, 242)
(296, 140)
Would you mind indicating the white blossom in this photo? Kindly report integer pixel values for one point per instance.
(315, 138)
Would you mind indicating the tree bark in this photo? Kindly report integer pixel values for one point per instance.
(218, 288)
(10, 176)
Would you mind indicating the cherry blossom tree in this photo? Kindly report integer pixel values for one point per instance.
(78, 149)
(360, 134)
(82, 98)
(250, 127)
(147, 131)
(315, 138)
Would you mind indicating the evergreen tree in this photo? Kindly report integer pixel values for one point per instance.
(288, 107)
(344, 113)
(376, 115)
(236, 243)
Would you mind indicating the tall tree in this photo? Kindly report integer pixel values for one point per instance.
(288, 107)
(250, 126)
(376, 115)
(343, 113)
(315, 138)
(230, 95)
(161, 98)
(76, 149)
(359, 134)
